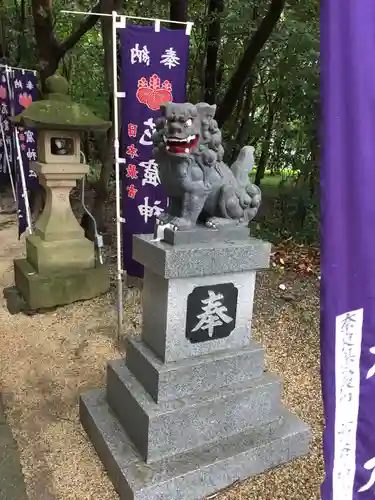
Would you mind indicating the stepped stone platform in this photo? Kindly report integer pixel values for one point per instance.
(191, 409)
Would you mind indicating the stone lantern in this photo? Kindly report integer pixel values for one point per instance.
(60, 265)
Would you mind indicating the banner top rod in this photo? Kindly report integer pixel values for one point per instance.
(78, 12)
(81, 13)
(15, 67)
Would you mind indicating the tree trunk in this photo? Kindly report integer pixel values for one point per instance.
(230, 150)
(47, 45)
(249, 130)
(248, 107)
(237, 112)
(220, 73)
(279, 144)
(243, 134)
(261, 168)
(178, 12)
(255, 45)
(196, 69)
(4, 49)
(49, 49)
(215, 10)
(50, 53)
(105, 147)
(21, 43)
(242, 111)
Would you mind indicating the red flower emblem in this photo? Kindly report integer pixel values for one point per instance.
(25, 100)
(3, 92)
(152, 94)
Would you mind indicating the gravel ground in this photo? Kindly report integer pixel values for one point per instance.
(47, 360)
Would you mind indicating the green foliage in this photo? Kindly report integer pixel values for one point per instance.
(295, 213)
(278, 109)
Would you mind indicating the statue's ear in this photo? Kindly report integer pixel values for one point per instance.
(206, 110)
(160, 122)
(164, 108)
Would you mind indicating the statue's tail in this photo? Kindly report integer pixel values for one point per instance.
(242, 167)
(243, 199)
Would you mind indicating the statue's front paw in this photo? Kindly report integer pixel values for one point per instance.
(210, 223)
(181, 224)
(163, 219)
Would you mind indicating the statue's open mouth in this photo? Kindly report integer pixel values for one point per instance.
(179, 146)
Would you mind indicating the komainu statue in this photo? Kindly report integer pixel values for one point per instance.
(200, 186)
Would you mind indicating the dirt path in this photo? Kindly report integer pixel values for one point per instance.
(47, 360)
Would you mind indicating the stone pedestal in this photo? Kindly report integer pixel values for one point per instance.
(192, 409)
(60, 265)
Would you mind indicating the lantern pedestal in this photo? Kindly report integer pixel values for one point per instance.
(60, 265)
(41, 291)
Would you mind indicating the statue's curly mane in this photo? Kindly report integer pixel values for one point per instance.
(210, 150)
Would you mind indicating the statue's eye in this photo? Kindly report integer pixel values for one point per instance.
(189, 123)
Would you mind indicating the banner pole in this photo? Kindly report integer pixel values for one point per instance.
(8, 161)
(8, 72)
(23, 183)
(120, 306)
(7, 69)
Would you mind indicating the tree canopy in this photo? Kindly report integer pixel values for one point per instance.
(256, 59)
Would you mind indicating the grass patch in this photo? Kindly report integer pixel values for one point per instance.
(270, 184)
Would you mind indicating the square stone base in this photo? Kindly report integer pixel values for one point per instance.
(194, 474)
(53, 257)
(45, 291)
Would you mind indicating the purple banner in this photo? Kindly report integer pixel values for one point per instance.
(154, 70)
(348, 242)
(4, 114)
(17, 92)
(24, 93)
